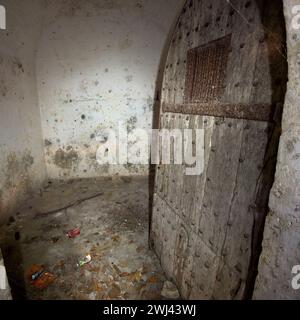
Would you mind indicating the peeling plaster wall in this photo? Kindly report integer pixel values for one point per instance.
(281, 245)
(97, 65)
(22, 165)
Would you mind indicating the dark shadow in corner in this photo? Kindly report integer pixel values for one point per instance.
(275, 37)
(13, 261)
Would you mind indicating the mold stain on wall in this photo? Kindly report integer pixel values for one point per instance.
(17, 183)
(66, 159)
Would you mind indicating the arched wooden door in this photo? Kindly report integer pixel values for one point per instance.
(225, 73)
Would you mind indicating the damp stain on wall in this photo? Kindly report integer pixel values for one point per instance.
(17, 182)
(66, 159)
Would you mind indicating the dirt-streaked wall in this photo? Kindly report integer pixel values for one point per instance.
(97, 66)
(22, 165)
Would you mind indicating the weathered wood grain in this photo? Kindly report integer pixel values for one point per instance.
(205, 228)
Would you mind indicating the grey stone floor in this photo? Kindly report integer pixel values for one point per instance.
(114, 231)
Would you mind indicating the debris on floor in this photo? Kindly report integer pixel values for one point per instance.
(33, 270)
(39, 278)
(73, 233)
(170, 291)
(84, 261)
(36, 275)
(44, 281)
(116, 262)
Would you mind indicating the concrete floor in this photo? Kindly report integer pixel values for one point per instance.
(114, 231)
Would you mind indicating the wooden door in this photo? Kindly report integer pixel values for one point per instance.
(225, 73)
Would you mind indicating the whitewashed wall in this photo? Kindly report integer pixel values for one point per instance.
(97, 65)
